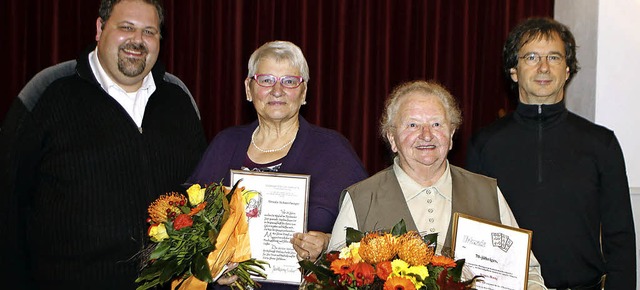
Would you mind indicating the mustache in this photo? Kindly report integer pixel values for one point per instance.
(135, 47)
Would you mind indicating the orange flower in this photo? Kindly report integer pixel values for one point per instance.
(399, 283)
(383, 269)
(377, 247)
(166, 206)
(364, 274)
(198, 208)
(443, 261)
(341, 266)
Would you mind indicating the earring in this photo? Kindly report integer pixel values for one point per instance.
(304, 102)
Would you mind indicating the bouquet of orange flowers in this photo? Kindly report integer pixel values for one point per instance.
(378, 260)
(195, 237)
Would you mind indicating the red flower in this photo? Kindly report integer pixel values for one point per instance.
(182, 221)
(332, 256)
(364, 273)
(311, 278)
(383, 269)
(447, 283)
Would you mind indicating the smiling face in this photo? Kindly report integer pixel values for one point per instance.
(277, 103)
(129, 42)
(422, 134)
(542, 83)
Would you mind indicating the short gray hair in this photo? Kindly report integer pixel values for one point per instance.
(392, 104)
(279, 50)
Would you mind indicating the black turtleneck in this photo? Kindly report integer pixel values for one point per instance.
(564, 177)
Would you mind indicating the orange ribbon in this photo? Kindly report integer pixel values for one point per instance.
(232, 244)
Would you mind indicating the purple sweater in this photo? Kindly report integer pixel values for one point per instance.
(322, 153)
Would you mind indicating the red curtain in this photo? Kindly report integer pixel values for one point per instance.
(357, 51)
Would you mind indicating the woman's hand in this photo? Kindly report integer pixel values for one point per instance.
(310, 245)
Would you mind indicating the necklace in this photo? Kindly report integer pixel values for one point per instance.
(268, 150)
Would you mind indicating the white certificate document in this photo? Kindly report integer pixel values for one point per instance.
(497, 252)
(276, 209)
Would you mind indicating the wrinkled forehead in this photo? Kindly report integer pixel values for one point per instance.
(420, 102)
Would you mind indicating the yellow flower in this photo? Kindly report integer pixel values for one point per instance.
(351, 252)
(158, 232)
(418, 271)
(417, 274)
(196, 194)
(399, 267)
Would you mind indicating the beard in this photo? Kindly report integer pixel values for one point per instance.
(132, 66)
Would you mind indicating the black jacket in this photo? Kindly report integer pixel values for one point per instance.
(564, 178)
(78, 176)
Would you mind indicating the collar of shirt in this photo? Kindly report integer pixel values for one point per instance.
(108, 84)
(430, 206)
(411, 188)
(133, 103)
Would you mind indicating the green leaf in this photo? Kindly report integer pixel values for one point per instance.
(399, 229)
(457, 270)
(321, 272)
(200, 268)
(152, 271)
(160, 250)
(169, 271)
(431, 239)
(353, 236)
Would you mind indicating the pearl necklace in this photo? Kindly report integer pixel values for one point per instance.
(268, 150)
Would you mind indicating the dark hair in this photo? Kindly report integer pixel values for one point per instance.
(532, 29)
(106, 7)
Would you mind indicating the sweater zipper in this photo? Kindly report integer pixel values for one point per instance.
(539, 144)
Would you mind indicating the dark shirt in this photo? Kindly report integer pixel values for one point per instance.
(564, 178)
(78, 176)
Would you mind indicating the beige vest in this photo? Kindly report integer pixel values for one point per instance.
(379, 203)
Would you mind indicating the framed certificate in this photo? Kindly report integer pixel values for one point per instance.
(276, 208)
(497, 252)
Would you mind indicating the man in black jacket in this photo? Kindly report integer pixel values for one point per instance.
(563, 176)
(85, 148)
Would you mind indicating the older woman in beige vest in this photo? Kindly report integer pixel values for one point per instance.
(421, 186)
